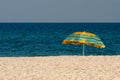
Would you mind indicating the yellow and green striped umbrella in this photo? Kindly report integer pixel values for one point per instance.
(86, 38)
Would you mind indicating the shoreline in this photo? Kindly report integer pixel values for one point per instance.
(60, 56)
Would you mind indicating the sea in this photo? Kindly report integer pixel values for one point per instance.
(45, 39)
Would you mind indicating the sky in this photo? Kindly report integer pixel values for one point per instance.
(59, 10)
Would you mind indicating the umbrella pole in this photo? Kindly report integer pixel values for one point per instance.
(83, 49)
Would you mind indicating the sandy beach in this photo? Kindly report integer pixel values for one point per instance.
(60, 68)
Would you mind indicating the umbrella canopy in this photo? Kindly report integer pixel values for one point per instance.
(86, 38)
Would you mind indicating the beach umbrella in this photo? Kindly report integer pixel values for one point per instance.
(84, 38)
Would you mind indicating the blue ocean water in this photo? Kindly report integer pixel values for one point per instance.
(45, 39)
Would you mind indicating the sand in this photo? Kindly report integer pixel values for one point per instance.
(60, 68)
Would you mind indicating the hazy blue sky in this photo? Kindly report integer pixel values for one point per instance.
(59, 10)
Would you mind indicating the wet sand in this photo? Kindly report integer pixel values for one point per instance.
(60, 68)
